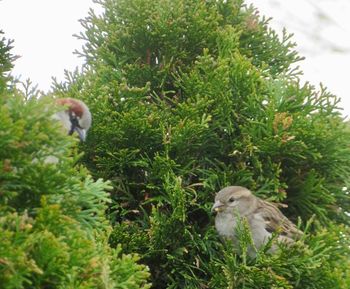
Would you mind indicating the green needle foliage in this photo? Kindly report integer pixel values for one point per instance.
(53, 228)
(6, 59)
(192, 96)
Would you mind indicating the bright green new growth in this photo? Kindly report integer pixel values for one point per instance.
(53, 227)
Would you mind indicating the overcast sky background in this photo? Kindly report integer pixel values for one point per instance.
(43, 33)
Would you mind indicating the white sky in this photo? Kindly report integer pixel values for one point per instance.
(43, 33)
(321, 29)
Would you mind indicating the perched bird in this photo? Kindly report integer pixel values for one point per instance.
(75, 116)
(263, 217)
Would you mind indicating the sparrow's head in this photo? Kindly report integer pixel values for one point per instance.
(75, 116)
(233, 199)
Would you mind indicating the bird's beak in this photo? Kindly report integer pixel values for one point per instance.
(217, 207)
(81, 132)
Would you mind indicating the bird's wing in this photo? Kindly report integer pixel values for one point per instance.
(275, 221)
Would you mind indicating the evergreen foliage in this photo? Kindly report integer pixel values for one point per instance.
(191, 96)
(6, 59)
(53, 229)
(187, 97)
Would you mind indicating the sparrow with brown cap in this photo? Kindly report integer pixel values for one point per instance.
(75, 116)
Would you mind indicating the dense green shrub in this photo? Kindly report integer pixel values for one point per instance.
(53, 228)
(6, 59)
(191, 96)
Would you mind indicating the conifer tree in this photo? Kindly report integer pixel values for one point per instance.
(192, 96)
(53, 228)
(6, 59)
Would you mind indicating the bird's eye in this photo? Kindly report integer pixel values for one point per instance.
(231, 200)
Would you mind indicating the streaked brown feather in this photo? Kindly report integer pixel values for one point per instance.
(275, 220)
